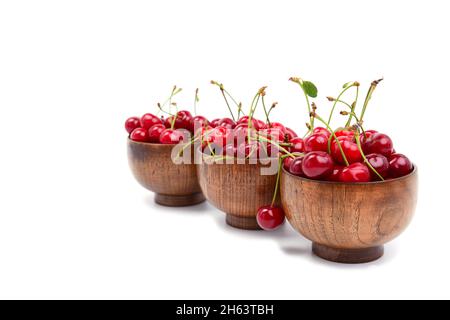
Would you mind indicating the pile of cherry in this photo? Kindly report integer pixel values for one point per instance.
(319, 162)
(349, 154)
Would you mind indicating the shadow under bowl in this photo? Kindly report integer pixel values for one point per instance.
(349, 222)
(175, 185)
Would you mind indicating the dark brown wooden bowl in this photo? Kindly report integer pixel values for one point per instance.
(238, 190)
(349, 223)
(174, 184)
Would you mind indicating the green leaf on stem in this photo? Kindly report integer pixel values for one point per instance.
(309, 88)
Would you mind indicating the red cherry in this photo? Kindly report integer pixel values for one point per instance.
(269, 217)
(132, 123)
(198, 122)
(368, 133)
(170, 136)
(345, 133)
(335, 175)
(317, 165)
(227, 123)
(316, 142)
(356, 172)
(291, 134)
(378, 143)
(242, 132)
(245, 150)
(287, 163)
(155, 132)
(139, 135)
(182, 121)
(255, 123)
(298, 145)
(273, 134)
(214, 123)
(219, 135)
(350, 149)
(379, 163)
(278, 126)
(296, 167)
(399, 166)
(148, 120)
(323, 131)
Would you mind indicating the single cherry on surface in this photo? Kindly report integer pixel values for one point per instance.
(295, 167)
(171, 136)
(139, 135)
(270, 217)
(316, 142)
(155, 132)
(350, 149)
(378, 143)
(317, 165)
(399, 166)
(356, 172)
(380, 163)
(148, 120)
(132, 123)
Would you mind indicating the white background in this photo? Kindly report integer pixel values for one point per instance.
(75, 224)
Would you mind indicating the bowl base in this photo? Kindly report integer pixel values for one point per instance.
(179, 201)
(350, 256)
(245, 223)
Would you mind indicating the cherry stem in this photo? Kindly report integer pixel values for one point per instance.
(265, 111)
(349, 121)
(336, 101)
(335, 138)
(358, 142)
(174, 92)
(162, 110)
(196, 99)
(225, 93)
(373, 85)
(228, 105)
(277, 184)
(273, 143)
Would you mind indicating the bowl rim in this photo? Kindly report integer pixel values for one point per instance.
(151, 143)
(413, 172)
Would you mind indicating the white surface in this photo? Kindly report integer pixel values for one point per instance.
(75, 224)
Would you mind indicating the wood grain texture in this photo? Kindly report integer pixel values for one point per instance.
(349, 216)
(152, 166)
(238, 190)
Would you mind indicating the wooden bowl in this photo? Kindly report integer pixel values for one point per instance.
(174, 184)
(349, 223)
(238, 190)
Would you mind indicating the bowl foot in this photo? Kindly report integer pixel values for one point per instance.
(348, 255)
(179, 201)
(245, 223)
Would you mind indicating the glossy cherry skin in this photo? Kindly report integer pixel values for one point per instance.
(335, 175)
(170, 136)
(242, 132)
(132, 123)
(356, 172)
(345, 133)
(290, 134)
(214, 123)
(298, 145)
(364, 136)
(350, 149)
(270, 218)
(246, 150)
(273, 134)
(182, 121)
(323, 131)
(379, 143)
(296, 167)
(316, 142)
(227, 123)
(198, 122)
(148, 120)
(399, 166)
(219, 135)
(287, 163)
(255, 123)
(380, 163)
(139, 135)
(317, 165)
(155, 132)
